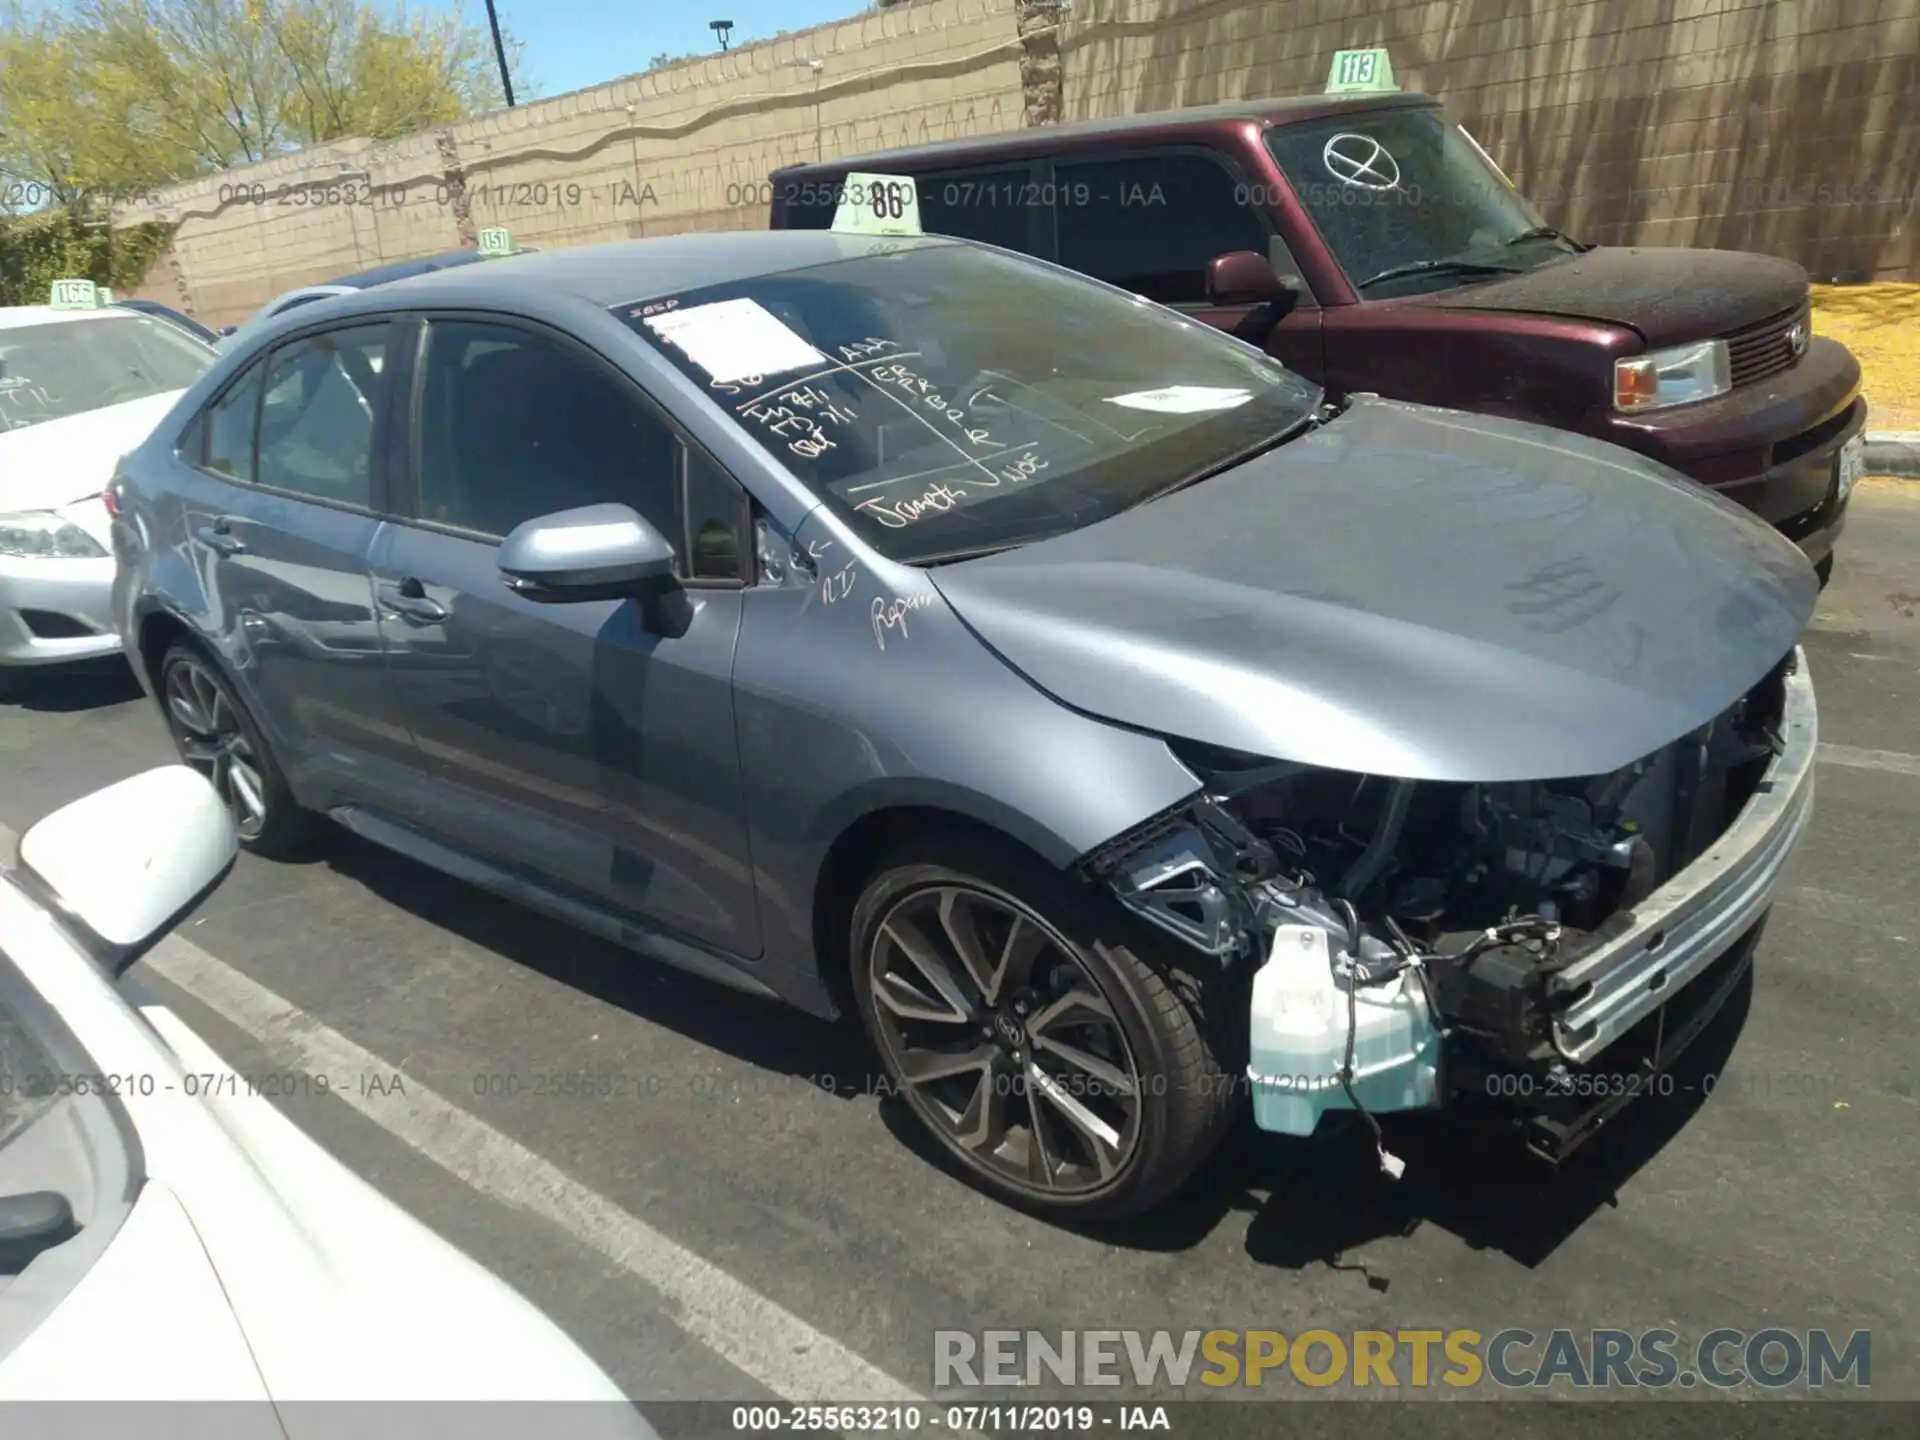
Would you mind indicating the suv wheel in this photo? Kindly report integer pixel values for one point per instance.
(1059, 1055)
(216, 736)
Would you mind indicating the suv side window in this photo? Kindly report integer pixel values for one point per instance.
(514, 424)
(1150, 223)
(990, 205)
(319, 414)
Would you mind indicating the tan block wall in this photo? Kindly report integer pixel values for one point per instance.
(1787, 126)
(688, 148)
(1780, 125)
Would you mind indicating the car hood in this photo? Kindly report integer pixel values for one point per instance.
(1407, 591)
(1669, 295)
(308, 1253)
(47, 466)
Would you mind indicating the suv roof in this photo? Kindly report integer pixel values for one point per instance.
(1084, 134)
(405, 269)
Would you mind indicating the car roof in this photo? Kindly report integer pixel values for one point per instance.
(634, 270)
(1279, 110)
(14, 316)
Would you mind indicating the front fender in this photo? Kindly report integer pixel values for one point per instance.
(838, 718)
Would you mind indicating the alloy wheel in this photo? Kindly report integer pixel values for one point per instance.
(1004, 1041)
(207, 729)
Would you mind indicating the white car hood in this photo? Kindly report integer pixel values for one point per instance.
(48, 466)
(330, 1290)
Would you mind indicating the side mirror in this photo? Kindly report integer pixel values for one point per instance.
(1246, 277)
(121, 867)
(598, 552)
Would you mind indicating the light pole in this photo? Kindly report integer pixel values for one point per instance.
(500, 53)
(721, 28)
(818, 68)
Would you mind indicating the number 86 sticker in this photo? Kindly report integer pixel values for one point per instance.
(878, 205)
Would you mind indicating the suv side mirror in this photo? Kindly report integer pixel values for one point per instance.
(598, 552)
(1246, 277)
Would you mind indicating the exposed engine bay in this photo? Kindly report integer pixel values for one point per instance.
(1478, 894)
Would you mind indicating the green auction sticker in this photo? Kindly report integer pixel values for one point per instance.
(496, 242)
(878, 205)
(1361, 72)
(76, 295)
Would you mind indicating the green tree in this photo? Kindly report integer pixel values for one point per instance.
(111, 96)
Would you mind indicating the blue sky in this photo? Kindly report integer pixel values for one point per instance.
(571, 44)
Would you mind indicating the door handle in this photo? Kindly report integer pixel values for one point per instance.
(409, 598)
(219, 538)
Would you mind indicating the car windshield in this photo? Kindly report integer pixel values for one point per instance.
(1392, 190)
(947, 398)
(67, 367)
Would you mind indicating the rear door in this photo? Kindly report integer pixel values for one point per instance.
(1150, 221)
(569, 740)
(280, 521)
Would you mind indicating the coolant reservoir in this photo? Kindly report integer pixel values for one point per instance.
(1299, 1037)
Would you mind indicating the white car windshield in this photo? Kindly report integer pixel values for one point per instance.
(67, 367)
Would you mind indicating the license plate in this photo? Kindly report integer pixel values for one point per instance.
(1851, 464)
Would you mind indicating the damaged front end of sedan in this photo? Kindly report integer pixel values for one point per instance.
(1554, 944)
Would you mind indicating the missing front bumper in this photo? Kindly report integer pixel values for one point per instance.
(1561, 1107)
(1647, 955)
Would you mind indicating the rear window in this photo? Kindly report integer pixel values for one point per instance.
(68, 367)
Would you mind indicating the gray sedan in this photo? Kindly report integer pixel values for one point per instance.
(908, 628)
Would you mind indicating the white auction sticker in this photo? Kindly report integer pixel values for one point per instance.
(734, 340)
(1183, 399)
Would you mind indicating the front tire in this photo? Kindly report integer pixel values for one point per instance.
(216, 736)
(1065, 1057)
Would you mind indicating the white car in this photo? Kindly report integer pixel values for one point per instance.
(165, 1234)
(78, 389)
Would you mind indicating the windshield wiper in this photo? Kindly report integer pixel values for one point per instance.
(1545, 232)
(1312, 419)
(1452, 265)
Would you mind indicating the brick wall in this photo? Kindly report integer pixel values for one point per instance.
(1773, 125)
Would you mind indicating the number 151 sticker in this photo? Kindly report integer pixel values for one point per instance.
(878, 205)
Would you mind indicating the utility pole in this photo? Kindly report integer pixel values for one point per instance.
(500, 53)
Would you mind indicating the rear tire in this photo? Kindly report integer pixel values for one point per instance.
(216, 735)
(1066, 1057)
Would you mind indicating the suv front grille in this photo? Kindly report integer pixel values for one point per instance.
(1764, 349)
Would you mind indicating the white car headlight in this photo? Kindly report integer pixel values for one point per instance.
(1678, 376)
(43, 536)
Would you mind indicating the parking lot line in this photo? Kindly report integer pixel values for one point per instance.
(1892, 762)
(758, 1337)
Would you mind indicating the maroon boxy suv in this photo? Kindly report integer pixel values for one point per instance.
(1372, 245)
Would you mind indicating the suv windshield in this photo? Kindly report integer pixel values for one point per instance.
(67, 367)
(946, 398)
(1394, 189)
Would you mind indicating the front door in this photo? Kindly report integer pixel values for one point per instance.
(573, 741)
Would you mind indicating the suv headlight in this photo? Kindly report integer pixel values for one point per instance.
(1678, 376)
(45, 536)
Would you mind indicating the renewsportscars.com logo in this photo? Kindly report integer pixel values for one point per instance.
(1512, 1359)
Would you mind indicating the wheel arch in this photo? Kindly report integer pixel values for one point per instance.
(866, 836)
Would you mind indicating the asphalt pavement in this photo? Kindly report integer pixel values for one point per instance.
(751, 1221)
